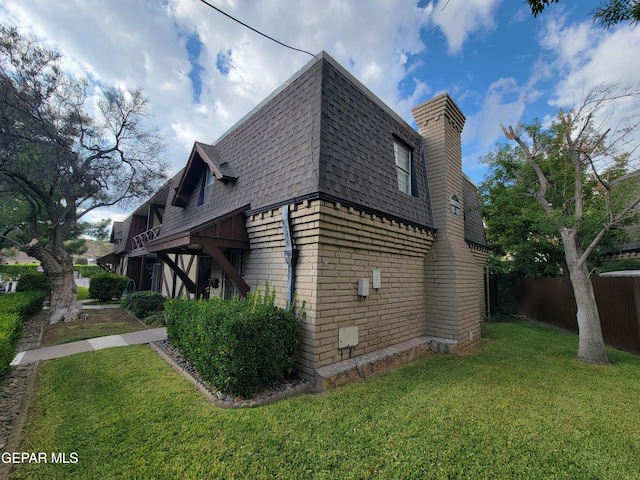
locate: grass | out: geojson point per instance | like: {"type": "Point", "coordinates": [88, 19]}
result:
{"type": "Point", "coordinates": [522, 407]}
{"type": "Point", "coordinates": [83, 293]}
{"type": "Point", "coordinates": [108, 321]}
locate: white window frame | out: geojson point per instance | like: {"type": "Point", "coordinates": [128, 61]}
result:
{"type": "Point", "coordinates": [402, 153]}
{"type": "Point", "coordinates": [206, 187]}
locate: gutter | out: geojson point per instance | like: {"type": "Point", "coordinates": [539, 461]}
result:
{"type": "Point", "coordinates": [290, 255]}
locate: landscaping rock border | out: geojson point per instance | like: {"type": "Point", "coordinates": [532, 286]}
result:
{"type": "Point", "coordinates": [290, 387]}
{"type": "Point", "coordinates": [17, 388]}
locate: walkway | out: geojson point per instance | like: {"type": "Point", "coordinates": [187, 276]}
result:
{"type": "Point", "coordinates": [98, 343]}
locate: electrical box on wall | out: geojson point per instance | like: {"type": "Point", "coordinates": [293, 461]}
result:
{"type": "Point", "coordinates": [363, 287]}
{"type": "Point", "coordinates": [347, 337]}
{"type": "Point", "coordinates": [377, 280]}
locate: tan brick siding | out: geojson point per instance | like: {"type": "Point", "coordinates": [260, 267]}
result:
{"type": "Point", "coordinates": [265, 263]}
{"type": "Point", "coordinates": [353, 244]}
{"type": "Point", "coordinates": [454, 274]}
{"type": "Point", "coordinates": [338, 245]}
{"type": "Point", "coordinates": [420, 292]}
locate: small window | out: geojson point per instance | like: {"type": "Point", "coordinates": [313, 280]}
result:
{"type": "Point", "coordinates": [404, 168]}
{"type": "Point", "coordinates": [206, 187]}
{"type": "Point", "coordinates": [454, 205]}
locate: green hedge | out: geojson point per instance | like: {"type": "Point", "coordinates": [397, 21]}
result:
{"type": "Point", "coordinates": [33, 282]}
{"type": "Point", "coordinates": [88, 271]}
{"type": "Point", "coordinates": [143, 303]}
{"type": "Point", "coordinates": [10, 329]}
{"type": "Point", "coordinates": [15, 271]}
{"type": "Point", "coordinates": [24, 304]}
{"type": "Point", "coordinates": [107, 286]}
{"type": "Point", "coordinates": [240, 346]}
{"type": "Point", "coordinates": [14, 308]}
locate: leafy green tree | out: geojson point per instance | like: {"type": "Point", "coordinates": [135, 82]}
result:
{"type": "Point", "coordinates": [524, 242]}
{"type": "Point", "coordinates": [608, 14]}
{"type": "Point", "coordinates": [511, 214]}
{"type": "Point", "coordinates": [63, 155]}
{"type": "Point", "coordinates": [584, 186]}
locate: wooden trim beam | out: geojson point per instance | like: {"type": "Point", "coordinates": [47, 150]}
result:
{"type": "Point", "coordinates": [181, 240]}
{"type": "Point", "coordinates": [191, 286]}
{"type": "Point", "coordinates": [210, 248]}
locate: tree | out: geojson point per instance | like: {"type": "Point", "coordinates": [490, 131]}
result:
{"type": "Point", "coordinates": [585, 186]}
{"type": "Point", "coordinates": [512, 215]}
{"type": "Point", "coordinates": [64, 154]}
{"type": "Point", "coordinates": [608, 14]}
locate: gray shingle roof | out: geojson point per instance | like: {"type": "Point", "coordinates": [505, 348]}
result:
{"type": "Point", "coordinates": [473, 227]}
{"type": "Point", "coordinates": [357, 162]}
{"type": "Point", "coordinates": [320, 135]}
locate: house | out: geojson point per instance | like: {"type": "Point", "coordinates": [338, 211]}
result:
{"type": "Point", "coordinates": [329, 196]}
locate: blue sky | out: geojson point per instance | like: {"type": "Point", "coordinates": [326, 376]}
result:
{"type": "Point", "coordinates": [203, 72]}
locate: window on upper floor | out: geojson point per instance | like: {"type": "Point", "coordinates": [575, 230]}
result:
{"type": "Point", "coordinates": [405, 168]}
{"type": "Point", "coordinates": [206, 187]}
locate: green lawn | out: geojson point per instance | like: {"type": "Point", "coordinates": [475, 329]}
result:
{"type": "Point", "coordinates": [522, 407]}
{"type": "Point", "coordinates": [83, 293]}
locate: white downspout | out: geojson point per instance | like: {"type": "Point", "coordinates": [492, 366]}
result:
{"type": "Point", "coordinates": [290, 255]}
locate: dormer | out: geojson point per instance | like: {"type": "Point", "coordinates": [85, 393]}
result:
{"type": "Point", "coordinates": [205, 165]}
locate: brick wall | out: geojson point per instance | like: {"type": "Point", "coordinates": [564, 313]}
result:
{"type": "Point", "coordinates": [338, 245]}
{"type": "Point", "coordinates": [454, 272]}
{"type": "Point", "coordinates": [351, 245]}
{"type": "Point", "coordinates": [265, 263]}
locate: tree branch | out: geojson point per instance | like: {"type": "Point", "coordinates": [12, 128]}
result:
{"type": "Point", "coordinates": [617, 219]}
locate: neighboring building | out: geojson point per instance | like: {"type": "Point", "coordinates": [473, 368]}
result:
{"type": "Point", "coordinates": [629, 249]}
{"type": "Point", "coordinates": [323, 191]}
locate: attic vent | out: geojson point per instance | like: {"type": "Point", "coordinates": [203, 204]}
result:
{"type": "Point", "coordinates": [454, 205]}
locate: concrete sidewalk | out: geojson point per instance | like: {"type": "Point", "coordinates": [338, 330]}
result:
{"type": "Point", "coordinates": [98, 343]}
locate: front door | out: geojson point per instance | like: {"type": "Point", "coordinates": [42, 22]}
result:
{"type": "Point", "coordinates": [204, 274]}
{"type": "Point", "coordinates": [234, 255]}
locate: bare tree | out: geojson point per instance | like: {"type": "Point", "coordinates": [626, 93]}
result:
{"type": "Point", "coordinates": [572, 159]}
{"type": "Point", "coordinates": [569, 161]}
{"type": "Point", "coordinates": [63, 154]}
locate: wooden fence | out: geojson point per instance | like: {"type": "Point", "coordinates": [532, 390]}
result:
{"type": "Point", "coordinates": [551, 300]}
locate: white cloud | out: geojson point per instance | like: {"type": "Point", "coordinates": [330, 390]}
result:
{"type": "Point", "coordinates": [504, 102]}
{"type": "Point", "coordinates": [584, 56]}
{"type": "Point", "coordinates": [458, 20]}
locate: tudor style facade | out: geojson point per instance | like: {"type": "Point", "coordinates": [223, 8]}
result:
{"type": "Point", "coordinates": [324, 192]}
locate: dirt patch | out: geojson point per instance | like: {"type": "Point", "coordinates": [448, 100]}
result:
{"type": "Point", "coordinates": [99, 322]}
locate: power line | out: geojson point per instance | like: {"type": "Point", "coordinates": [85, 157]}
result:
{"type": "Point", "coordinates": [253, 29]}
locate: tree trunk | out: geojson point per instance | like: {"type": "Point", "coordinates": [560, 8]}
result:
{"type": "Point", "coordinates": [591, 343]}
{"type": "Point", "coordinates": [58, 265]}
{"type": "Point", "coordinates": [64, 296]}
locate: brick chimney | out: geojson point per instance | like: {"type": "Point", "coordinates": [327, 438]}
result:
{"type": "Point", "coordinates": [454, 277]}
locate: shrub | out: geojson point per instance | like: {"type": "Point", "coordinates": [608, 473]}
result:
{"type": "Point", "coordinates": [33, 282]}
{"type": "Point", "coordinates": [15, 271]}
{"type": "Point", "coordinates": [143, 303]}
{"type": "Point", "coordinates": [24, 304]}
{"type": "Point", "coordinates": [240, 346]}
{"type": "Point", "coordinates": [156, 319]}
{"type": "Point", "coordinates": [14, 308]}
{"type": "Point", "coordinates": [107, 286]}
{"type": "Point", "coordinates": [88, 271]}
{"type": "Point", "coordinates": [10, 329]}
